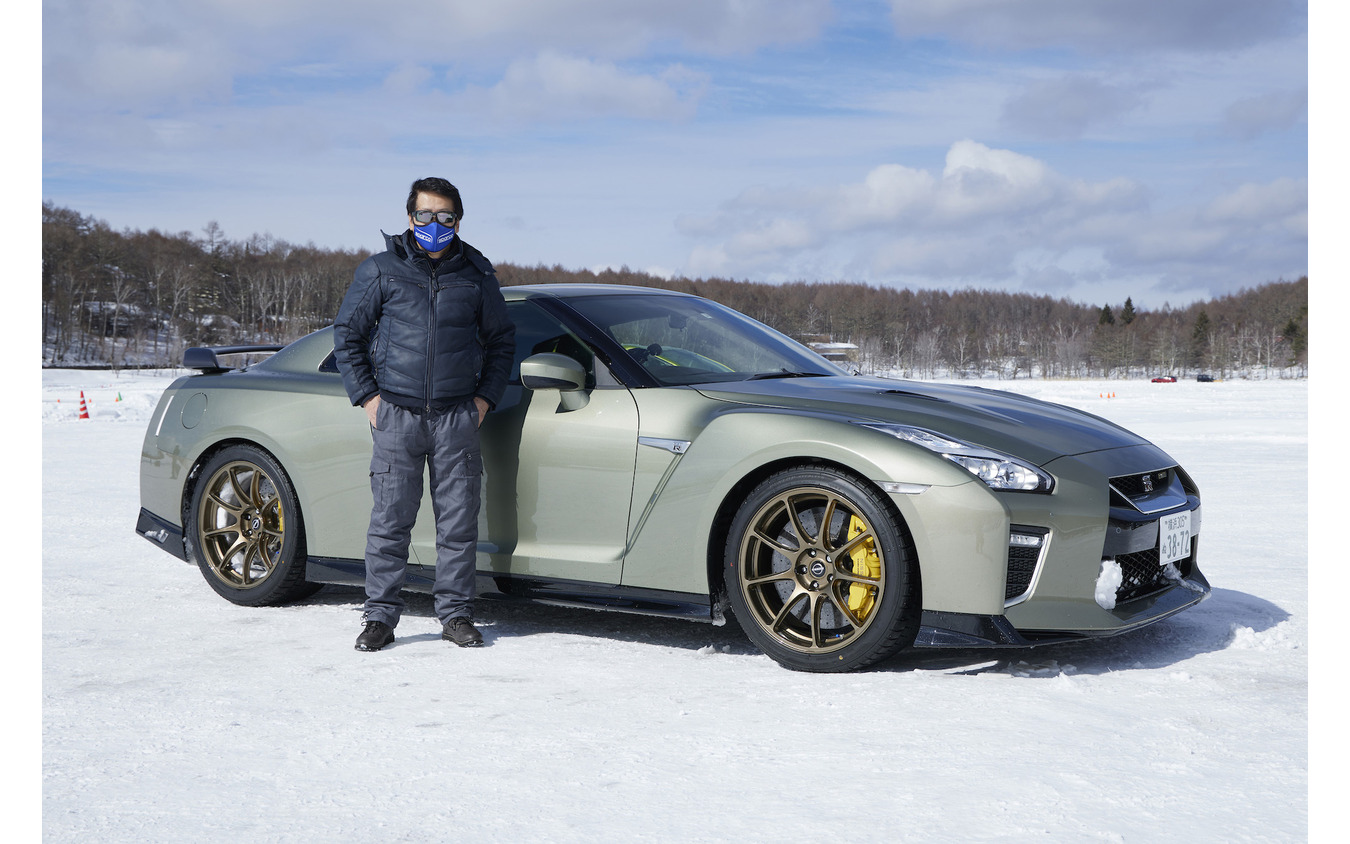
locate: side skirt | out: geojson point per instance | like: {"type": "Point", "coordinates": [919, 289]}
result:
{"type": "Point", "coordinates": [551, 591]}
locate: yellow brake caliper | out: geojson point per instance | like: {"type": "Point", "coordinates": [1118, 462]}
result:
{"type": "Point", "coordinates": [866, 563]}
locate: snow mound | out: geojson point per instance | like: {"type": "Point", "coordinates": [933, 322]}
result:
{"type": "Point", "coordinates": [1049, 668]}
{"type": "Point", "coordinates": [1277, 638]}
{"type": "Point", "coordinates": [1108, 582]}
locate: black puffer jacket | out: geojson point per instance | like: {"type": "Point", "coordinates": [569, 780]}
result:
{"type": "Point", "coordinates": [424, 336]}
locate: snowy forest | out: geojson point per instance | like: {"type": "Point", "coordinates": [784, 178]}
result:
{"type": "Point", "coordinates": [137, 299]}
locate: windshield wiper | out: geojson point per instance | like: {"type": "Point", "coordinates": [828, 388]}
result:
{"type": "Point", "coordinates": [783, 373]}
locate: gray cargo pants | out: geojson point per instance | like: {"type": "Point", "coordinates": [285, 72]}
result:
{"type": "Point", "coordinates": [404, 441]}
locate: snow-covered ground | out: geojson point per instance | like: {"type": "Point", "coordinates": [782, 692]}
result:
{"type": "Point", "coordinates": [171, 715]}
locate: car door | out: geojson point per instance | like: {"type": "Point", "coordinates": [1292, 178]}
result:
{"type": "Point", "coordinates": [558, 483]}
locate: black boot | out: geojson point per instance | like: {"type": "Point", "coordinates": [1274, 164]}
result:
{"type": "Point", "coordinates": [462, 632]}
{"type": "Point", "coordinates": [376, 635]}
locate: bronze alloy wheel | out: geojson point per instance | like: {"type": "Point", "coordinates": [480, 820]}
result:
{"type": "Point", "coordinates": [244, 529]}
{"type": "Point", "coordinates": [242, 524]}
{"type": "Point", "coordinates": [821, 572]}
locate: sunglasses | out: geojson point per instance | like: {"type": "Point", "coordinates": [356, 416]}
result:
{"type": "Point", "coordinates": [445, 218]}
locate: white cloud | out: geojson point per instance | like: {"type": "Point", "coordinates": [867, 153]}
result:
{"type": "Point", "coordinates": [406, 79]}
{"type": "Point", "coordinates": [890, 192]}
{"type": "Point", "coordinates": [620, 28]}
{"type": "Point", "coordinates": [1167, 239]}
{"type": "Point", "coordinates": [1251, 117]}
{"type": "Point", "coordinates": [125, 55]}
{"type": "Point", "coordinates": [1067, 107]}
{"type": "Point", "coordinates": [1281, 199]}
{"type": "Point", "coordinates": [552, 86]}
{"type": "Point", "coordinates": [774, 239]}
{"type": "Point", "coordinates": [1100, 25]}
{"type": "Point", "coordinates": [978, 182]}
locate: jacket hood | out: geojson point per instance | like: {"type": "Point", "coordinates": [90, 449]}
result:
{"type": "Point", "coordinates": [400, 244]}
{"type": "Point", "coordinates": [1028, 428]}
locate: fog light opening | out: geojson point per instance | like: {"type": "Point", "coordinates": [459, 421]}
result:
{"type": "Point", "coordinates": [1025, 540]}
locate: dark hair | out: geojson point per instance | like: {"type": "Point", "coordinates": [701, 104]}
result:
{"type": "Point", "coordinates": [440, 187]}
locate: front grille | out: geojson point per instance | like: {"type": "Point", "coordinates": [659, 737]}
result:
{"type": "Point", "coordinates": [1152, 492]}
{"type": "Point", "coordinates": [1137, 486]}
{"type": "Point", "coordinates": [1141, 575]}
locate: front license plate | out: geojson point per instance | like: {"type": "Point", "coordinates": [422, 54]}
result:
{"type": "Point", "coordinates": [1174, 538]}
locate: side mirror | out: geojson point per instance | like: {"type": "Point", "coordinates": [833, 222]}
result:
{"type": "Point", "coordinates": [552, 371]}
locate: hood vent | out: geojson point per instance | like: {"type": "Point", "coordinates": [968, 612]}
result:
{"type": "Point", "coordinates": [912, 395]}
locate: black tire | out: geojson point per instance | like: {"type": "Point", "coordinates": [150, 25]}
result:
{"type": "Point", "coordinates": [837, 599]}
{"type": "Point", "coordinates": [243, 529]}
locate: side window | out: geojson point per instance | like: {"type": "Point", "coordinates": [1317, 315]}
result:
{"type": "Point", "coordinates": [539, 331]}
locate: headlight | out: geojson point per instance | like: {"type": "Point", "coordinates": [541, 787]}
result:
{"type": "Point", "coordinates": [997, 470]}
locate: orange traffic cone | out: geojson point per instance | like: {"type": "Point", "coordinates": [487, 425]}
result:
{"type": "Point", "coordinates": [84, 408]}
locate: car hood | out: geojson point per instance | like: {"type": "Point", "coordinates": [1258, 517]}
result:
{"type": "Point", "coordinates": [1028, 428]}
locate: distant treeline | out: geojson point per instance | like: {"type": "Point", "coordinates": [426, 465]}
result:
{"type": "Point", "coordinates": [134, 298]}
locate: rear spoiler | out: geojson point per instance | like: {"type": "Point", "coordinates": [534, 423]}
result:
{"type": "Point", "coordinates": [206, 358]}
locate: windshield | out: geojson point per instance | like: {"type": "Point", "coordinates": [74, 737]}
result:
{"type": "Point", "coordinates": [694, 341]}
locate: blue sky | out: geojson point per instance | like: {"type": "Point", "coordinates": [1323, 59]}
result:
{"type": "Point", "coordinates": [1156, 149]}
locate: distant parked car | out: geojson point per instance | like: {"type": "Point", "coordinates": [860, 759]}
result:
{"type": "Point", "coordinates": [1165, 379]}
{"type": "Point", "coordinates": [1204, 378]}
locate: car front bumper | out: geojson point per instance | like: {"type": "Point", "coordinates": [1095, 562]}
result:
{"type": "Point", "coordinates": [964, 630]}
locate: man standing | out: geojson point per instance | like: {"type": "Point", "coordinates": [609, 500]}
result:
{"type": "Point", "coordinates": [424, 344]}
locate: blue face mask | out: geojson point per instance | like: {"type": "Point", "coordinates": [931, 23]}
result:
{"type": "Point", "coordinates": [433, 236]}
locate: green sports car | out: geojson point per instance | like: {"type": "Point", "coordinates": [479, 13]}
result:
{"type": "Point", "coordinates": [659, 453]}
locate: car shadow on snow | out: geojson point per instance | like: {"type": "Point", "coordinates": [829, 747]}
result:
{"type": "Point", "coordinates": [506, 619]}
{"type": "Point", "coordinates": [1227, 619]}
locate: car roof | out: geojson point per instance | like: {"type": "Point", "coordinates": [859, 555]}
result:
{"type": "Point", "coordinates": [570, 291]}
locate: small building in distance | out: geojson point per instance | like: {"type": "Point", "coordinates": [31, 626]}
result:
{"type": "Point", "coordinates": [825, 346]}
